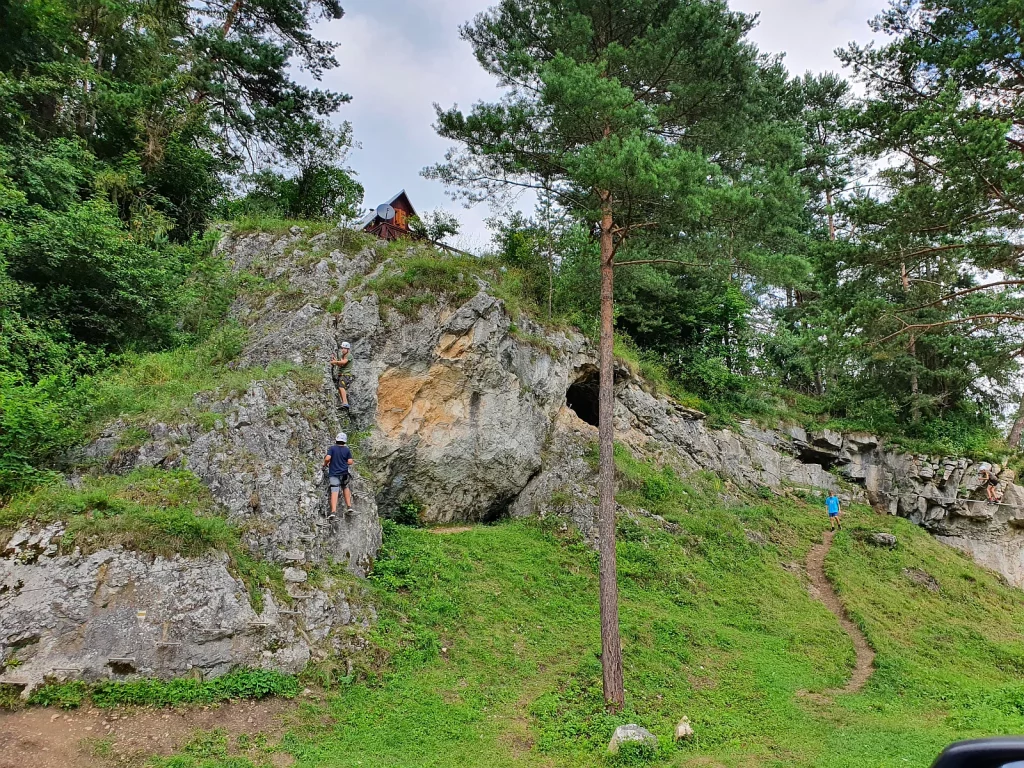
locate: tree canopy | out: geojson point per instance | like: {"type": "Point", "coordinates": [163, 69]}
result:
{"type": "Point", "coordinates": [786, 237]}
{"type": "Point", "coordinates": [123, 125]}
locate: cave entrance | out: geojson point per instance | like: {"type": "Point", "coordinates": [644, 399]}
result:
{"type": "Point", "coordinates": [582, 396]}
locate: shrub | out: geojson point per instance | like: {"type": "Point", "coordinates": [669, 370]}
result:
{"type": "Point", "coordinates": [32, 431]}
{"type": "Point", "coordinates": [242, 683]}
{"type": "Point", "coordinates": [408, 512]}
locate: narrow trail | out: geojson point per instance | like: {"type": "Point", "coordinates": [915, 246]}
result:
{"type": "Point", "coordinates": [445, 530]}
{"type": "Point", "coordinates": [821, 589]}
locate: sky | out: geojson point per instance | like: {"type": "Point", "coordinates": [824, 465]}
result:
{"type": "Point", "coordinates": [397, 58]}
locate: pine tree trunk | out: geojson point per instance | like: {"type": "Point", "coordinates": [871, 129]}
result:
{"type": "Point", "coordinates": [231, 17]}
{"type": "Point", "coordinates": [1018, 426]}
{"type": "Point", "coordinates": [831, 215]}
{"type": "Point", "coordinates": [915, 406]}
{"type": "Point", "coordinates": [611, 648]}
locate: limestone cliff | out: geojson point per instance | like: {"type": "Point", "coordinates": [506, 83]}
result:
{"type": "Point", "coordinates": [459, 412]}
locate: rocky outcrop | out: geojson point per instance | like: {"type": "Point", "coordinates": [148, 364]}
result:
{"type": "Point", "coordinates": [463, 407]}
{"type": "Point", "coordinates": [117, 613]}
{"type": "Point", "coordinates": [947, 497]}
{"type": "Point", "coordinates": [461, 412]}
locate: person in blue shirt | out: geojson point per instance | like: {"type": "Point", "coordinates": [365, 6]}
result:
{"type": "Point", "coordinates": [832, 506]}
{"type": "Point", "coordinates": [336, 462]}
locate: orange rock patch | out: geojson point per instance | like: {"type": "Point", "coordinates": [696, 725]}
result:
{"type": "Point", "coordinates": [427, 404]}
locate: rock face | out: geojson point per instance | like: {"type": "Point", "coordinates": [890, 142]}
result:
{"type": "Point", "coordinates": [462, 408]}
{"type": "Point", "coordinates": [460, 411]}
{"type": "Point", "coordinates": [946, 496]}
{"type": "Point", "coordinates": [116, 613]}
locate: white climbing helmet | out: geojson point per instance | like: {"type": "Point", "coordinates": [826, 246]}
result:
{"type": "Point", "coordinates": [341, 438]}
{"type": "Point", "coordinates": [346, 345]}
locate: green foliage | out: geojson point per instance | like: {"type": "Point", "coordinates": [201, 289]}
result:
{"type": "Point", "coordinates": [435, 225]}
{"type": "Point", "coordinates": [322, 188]}
{"type": "Point", "coordinates": [10, 697]}
{"type": "Point", "coordinates": [162, 385]}
{"type": "Point", "coordinates": [152, 692]}
{"type": "Point", "coordinates": [32, 431]}
{"type": "Point", "coordinates": [408, 512]}
{"type": "Point", "coordinates": [896, 298]}
{"type": "Point", "coordinates": [69, 695]}
{"type": "Point", "coordinates": [118, 124]}
{"type": "Point", "coordinates": [151, 510]}
{"type": "Point", "coordinates": [424, 277]}
{"type": "Point", "coordinates": [634, 753]}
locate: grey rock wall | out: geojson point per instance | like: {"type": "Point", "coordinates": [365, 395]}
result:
{"type": "Point", "coordinates": [117, 614]}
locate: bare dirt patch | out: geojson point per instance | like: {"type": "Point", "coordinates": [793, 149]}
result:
{"type": "Point", "coordinates": [89, 737]}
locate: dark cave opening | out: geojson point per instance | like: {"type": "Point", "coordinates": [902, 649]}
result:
{"type": "Point", "coordinates": [582, 396]}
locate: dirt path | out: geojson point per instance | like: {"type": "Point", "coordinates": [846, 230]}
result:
{"type": "Point", "coordinates": [822, 590]}
{"type": "Point", "coordinates": [444, 530]}
{"type": "Point", "coordinates": [89, 738]}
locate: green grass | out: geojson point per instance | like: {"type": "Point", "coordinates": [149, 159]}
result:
{"type": "Point", "coordinates": [152, 692]}
{"type": "Point", "coordinates": [149, 510]}
{"type": "Point", "coordinates": [486, 648]}
{"type": "Point", "coordinates": [249, 224]}
{"type": "Point", "coordinates": [162, 386]}
{"type": "Point", "coordinates": [421, 275]}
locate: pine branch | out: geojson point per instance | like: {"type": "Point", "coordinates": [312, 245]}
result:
{"type": "Point", "coordinates": [958, 294]}
{"type": "Point", "coordinates": [924, 327]}
{"type": "Point", "coordinates": [660, 261]}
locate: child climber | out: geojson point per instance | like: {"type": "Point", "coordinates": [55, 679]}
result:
{"type": "Point", "coordinates": [832, 507]}
{"type": "Point", "coordinates": [340, 362]}
{"type": "Point", "coordinates": [336, 463]}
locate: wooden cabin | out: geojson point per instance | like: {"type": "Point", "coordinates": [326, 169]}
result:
{"type": "Point", "coordinates": [390, 229]}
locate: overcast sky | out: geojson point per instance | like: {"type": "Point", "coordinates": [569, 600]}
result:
{"type": "Point", "coordinates": [398, 57]}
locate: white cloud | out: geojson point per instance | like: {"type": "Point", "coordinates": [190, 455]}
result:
{"type": "Point", "coordinates": [809, 31]}
{"type": "Point", "coordinates": [398, 57]}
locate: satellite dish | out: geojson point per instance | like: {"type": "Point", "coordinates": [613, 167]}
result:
{"type": "Point", "coordinates": [385, 212]}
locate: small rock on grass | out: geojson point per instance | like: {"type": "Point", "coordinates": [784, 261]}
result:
{"type": "Point", "coordinates": [684, 731]}
{"type": "Point", "coordinates": [631, 732]}
{"type": "Point", "coordinates": [882, 540]}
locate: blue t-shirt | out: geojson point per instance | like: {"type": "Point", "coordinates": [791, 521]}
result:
{"type": "Point", "coordinates": [340, 454]}
{"type": "Point", "coordinates": [832, 505]}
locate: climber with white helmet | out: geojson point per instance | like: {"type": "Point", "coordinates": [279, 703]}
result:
{"type": "Point", "coordinates": [336, 464]}
{"type": "Point", "coordinates": [340, 361]}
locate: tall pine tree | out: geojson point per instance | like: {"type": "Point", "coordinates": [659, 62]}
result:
{"type": "Point", "coordinates": [639, 116]}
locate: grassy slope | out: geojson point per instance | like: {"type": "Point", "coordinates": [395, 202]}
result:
{"type": "Point", "coordinates": [487, 645]}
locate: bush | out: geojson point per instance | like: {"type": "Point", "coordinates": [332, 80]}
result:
{"type": "Point", "coordinates": [33, 430]}
{"type": "Point", "coordinates": [150, 692]}
{"type": "Point", "coordinates": [408, 512]}
{"type": "Point", "coordinates": [635, 753]}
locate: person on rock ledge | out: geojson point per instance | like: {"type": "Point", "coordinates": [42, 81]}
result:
{"type": "Point", "coordinates": [336, 463]}
{"type": "Point", "coordinates": [344, 380]}
{"type": "Point", "coordinates": [991, 482]}
{"type": "Point", "coordinates": [832, 507]}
